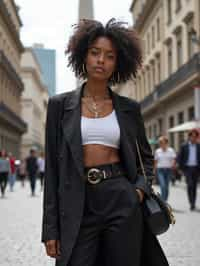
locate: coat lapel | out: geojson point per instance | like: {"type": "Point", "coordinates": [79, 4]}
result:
{"type": "Point", "coordinates": [71, 124]}
{"type": "Point", "coordinates": [126, 120]}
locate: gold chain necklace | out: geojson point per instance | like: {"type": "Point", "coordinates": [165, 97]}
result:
{"type": "Point", "coordinates": [95, 108]}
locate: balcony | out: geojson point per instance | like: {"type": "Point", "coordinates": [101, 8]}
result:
{"type": "Point", "coordinates": [168, 85]}
{"type": "Point", "coordinates": [12, 119]}
{"type": "Point", "coordinates": [5, 63]}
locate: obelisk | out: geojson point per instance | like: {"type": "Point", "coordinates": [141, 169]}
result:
{"type": "Point", "coordinates": [86, 9]}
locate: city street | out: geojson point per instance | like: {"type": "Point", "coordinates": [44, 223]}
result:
{"type": "Point", "coordinates": [20, 225]}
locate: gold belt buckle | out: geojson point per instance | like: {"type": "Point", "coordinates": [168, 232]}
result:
{"type": "Point", "coordinates": [92, 176]}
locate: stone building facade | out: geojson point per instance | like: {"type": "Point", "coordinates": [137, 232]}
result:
{"type": "Point", "coordinates": [170, 31]}
{"type": "Point", "coordinates": [11, 86]}
{"type": "Point", "coordinates": [34, 103]}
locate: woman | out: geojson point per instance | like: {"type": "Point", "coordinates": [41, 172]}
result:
{"type": "Point", "coordinates": [165, 162]}
{"type": "Point", "coordinates": [4, 171]}
{"type": "Point", "coordinates": [92, 193]}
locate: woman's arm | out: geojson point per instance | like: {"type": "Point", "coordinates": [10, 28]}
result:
{"type": "Point", "coordinates": [50, 230]}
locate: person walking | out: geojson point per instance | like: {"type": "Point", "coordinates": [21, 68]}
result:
{"type": "Point", "coordinates": [41, 167]}
{"type": "Point", "coordinates": [4, 171]}
{"type": "Point", "coordinates": [12, 175]}
{"type": "Point", "coordinates": [32, 169]}
{"type": "Point", "coordinates": [189, 163]}
{"type": "Point", "coordinates": [94, 187]}
{"type": "Point", "coordinates": [164, 163]}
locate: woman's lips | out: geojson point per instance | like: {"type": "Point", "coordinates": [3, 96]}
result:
{"type": "Point", "coordinates": [99, 69]}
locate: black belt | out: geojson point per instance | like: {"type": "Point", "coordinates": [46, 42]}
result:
{"type": "Point", "coordinates": [96, 174]}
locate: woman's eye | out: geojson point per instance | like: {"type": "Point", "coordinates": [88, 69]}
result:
{"type": "Point", "coordinates": [93, 52]}
{"type": "Point", "coordinates": [111, 56]}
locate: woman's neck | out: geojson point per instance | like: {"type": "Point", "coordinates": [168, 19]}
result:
{"type": "Point", "coordinates": [96, 89]}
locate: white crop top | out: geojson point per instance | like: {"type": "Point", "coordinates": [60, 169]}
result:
{"type": "Point", "coordinates": [104, 130]}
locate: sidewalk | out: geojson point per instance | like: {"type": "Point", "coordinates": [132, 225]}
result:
{"type": "Point", "coordinates": [20, 225]}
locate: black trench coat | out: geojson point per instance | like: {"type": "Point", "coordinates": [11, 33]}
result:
{"type": "Point", "coordinates": [64, 188]}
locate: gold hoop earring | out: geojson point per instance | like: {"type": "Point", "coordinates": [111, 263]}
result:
{"type": "Point", "coordinates": [84, 69]}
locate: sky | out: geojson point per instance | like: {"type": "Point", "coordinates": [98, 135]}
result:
{"type": "Point", "coordinates": [50, 23]}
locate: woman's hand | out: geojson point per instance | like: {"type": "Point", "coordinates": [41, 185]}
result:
{"type": "Point", "coordinates": [53, 248]}
{"type": "Point", "coordinates": [140, 194]}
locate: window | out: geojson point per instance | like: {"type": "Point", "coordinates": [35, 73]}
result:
{"type": "Point", "coordinates": [171, 135]}
{"type": "Point", "coordinates": [155, 131]}
{"type": "Point", "coordinates": [160, 124]}
{"type": "Point", "coordinates": [158, 69]}
{"type": "Point", "coordinates": [191, 113]}
{"type": "Point", "coordinates": [169, 55]}
{"type": "Point", "coordinates": [153, 36]}
{"type": "Point", "coordinates": [148, 43]}
{"type": "Point", "coordinates": [169, 11]}
{"type": "Point", "coordinates": [180, 117]}
{"type": "Point", "coordinates": [179, 49]}
{"type": "Point", "coordinates": [178, 5]}
{"type": "Point", "coordinates": [191, 34]}
{"type": "Point", "coordinates": [153, 74]}
{"type": "Point", "coordinates": [158, 28]}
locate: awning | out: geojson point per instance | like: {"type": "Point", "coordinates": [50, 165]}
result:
{"type": "Point", "coordinates": [185, 126]}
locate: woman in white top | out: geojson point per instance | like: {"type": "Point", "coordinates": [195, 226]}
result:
{"type": "Point", "coordinates": [164, 163]}
{"type": "Point", "coordinates": [93, 184]}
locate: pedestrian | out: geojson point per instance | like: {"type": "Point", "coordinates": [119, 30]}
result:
{"type": "Point", "coordinates": [41, 167]}
{"type": "Point", "coordinates": [22, 172]}
{"type": "Point", "coordinates": [164, 163]}
{"type": "Point", "coordinates": [189, 163]}
{"type": "Point", "coordinates": [92, 191]}
{"type": "Point", "coordinates": [12, 175]}
{"type": "Point", "coordinates": [32, 169]}
{"type": "Point", "coordinates": [4, 171]}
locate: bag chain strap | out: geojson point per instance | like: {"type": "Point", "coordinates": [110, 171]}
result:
{"type": "Point", "coordinates": [169, 208]}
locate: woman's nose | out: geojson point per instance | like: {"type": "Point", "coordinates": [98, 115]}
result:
{"type": "Point", "coordinates": [101, 58]}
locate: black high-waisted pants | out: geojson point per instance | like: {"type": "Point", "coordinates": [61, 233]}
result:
{"type": "Point", "coordinates": [112, 222]}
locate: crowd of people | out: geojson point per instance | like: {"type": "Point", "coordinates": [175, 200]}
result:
{"type": "Point", "coordinates": [186, 162]}
{"type": "Point", "coordinates": [30, 168]}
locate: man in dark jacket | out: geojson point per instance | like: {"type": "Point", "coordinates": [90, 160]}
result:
{"type": "Point", "coordinates": [189, 162]}
{"type": "Point", "coordinates": [32, 168]}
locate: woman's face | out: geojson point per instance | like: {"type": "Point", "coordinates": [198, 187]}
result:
{"type": "Point", "coordinates": [101, 59]}
{"type": "Point", "coordinates": [163, 144]}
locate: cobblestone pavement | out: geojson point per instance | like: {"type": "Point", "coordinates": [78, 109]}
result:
{"type": "Point", "coordinates": [20, 223]}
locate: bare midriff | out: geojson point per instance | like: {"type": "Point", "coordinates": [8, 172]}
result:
{"type": "Point", "coordinates": [97, 154]}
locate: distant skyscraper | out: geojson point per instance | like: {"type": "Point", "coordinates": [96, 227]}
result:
{"type": "Point", "coordinates": [47, 60]}
{"type": "Point", "coordinates": [86, 9]}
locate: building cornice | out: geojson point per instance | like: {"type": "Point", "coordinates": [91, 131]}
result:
{"type": "Point", "coordinates": [132, 5]}
{"type": "Point", "coordinates": [12, 119]}
{"type": "Point", "coordinates": [7, 66]}
{"type": "Point", "coordinates": [8, 21]}
{"type": "Point", "coordinates": [16, 8]}
{"type": "Point", "coordinates": [145, 12]}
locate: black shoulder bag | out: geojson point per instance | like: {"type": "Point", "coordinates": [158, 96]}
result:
{"type": "Point", "coordinates": [157, 213]}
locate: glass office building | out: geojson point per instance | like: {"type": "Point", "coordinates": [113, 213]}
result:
{"type": "Point", "coordinates": [47, 60]}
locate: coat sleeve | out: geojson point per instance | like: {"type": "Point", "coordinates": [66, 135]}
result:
{"type": "Point", "coordinates": [147, 157]}
{"type": "Point", "coordinates": [50, 224]}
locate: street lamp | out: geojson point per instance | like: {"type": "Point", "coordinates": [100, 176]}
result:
{"type": "Point", "coordinates": [196, 40]}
